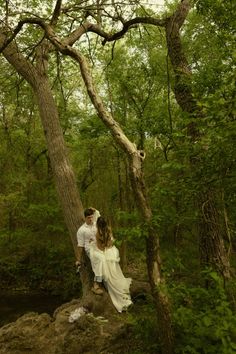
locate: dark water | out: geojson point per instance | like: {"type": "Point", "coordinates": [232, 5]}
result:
{"type": "Point", "coordinates": [14, 305]}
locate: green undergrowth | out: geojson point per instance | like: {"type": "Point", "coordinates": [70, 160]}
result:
{"type": "Point", "coordinates": [28, 264]}
{"type": "Point", "coordinates": [202, 307]}
{"type": "Point", "coordinates": [204, 319]}
{"type": "Point", "coordinates": [143, 335]}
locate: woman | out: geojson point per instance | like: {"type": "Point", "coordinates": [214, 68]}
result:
{"type": "Point", "coordinates": [105, 259]}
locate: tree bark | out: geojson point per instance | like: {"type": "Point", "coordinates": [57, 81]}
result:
{"type": "Point", "coordinates": [123, 246]}
{"type": "Point", "coordinates": [212, 249]}
{"type": "Point", "coordinates": [62, 170]}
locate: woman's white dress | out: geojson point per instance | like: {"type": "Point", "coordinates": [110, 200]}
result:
{"type": "Point", "coordinates": [105, 265]}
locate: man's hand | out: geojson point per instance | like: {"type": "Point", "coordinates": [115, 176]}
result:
{"type": "Point", "coordinates": [78, 266]}
{"type": "Point", "coordinates": [79, 257]}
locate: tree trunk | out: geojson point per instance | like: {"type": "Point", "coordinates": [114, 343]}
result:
{"type": "Point", "coordinates": [62, 170]}
{"type": "Point", "coordinates": [135, 158]}
{"type": "Point", "coordinates": [153, 259]}
{"type": "Point", "coordinates": [123, 246]}
{"type": "Point", "coordinates": [212, 250]}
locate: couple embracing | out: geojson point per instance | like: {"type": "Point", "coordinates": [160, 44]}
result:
{"type": "Point", "coordinates": [95, 237]}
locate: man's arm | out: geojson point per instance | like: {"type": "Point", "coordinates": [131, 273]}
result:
{"type": "Point", "coordinates": [80, 245]}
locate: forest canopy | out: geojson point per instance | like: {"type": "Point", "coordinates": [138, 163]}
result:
{"type": "Point", "coordinates": [128, 107]}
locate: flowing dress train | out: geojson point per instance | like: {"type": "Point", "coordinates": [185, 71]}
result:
{"type": "Point", "coordinates": [105, 265]}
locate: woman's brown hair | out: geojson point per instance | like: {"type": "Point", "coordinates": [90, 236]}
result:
{"type": "Point", "coordinates": [104, 234]}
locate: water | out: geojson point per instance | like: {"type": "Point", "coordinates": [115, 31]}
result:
{"type": "Point", "coordinates": [14, 305]}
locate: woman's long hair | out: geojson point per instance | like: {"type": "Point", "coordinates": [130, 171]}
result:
{"type": "Point", "coordinates": [104, 234]}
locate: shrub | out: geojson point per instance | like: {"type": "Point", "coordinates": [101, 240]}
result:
{"type": "Point", "coordinates": [203, 319]}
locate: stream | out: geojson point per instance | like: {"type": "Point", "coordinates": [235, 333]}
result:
{"type": "Point", "coordinates": [13, 304]}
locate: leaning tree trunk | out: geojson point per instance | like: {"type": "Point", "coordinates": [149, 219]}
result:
{"type": "Point", "coordinates": [135, 158]}
{"type": "Point", "coordinates": [123, 247]}
{"type": "Point", "coordinates": [62, 170]}
{"type": "Point", "coordinates": [153, 259]}
{"type": "Point", "coordinates": [212, 249]}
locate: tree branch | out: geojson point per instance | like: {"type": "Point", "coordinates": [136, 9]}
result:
{"type": "Point", "coordinates": [179, 16]}
{"type": "Point", "coordinates": [19, 62]}
{"type": "Point", "coordinates": [85, 27]}
{"type": "Point", "coordinates": [129, 24]}
{"type": "Point", "coordinates": [95, 98]}
{"type": "Point", "coordinates": [12, 37]}
{"type": "Point", "coordinates": [56, 13]}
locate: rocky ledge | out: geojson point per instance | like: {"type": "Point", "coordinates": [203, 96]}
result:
{"type": "Point", "coordinates": [98, 329]}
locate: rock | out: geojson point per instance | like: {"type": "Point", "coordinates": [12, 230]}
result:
{"type": "Point", "coordinates": [100, 330]}
{"type": "Point", "coordinates": [37, 334]}
{"type": "Point", "coordinates": [30, 333]}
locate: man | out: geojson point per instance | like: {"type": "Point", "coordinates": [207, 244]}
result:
{"type": "Point", "coordinates": [85, 235]}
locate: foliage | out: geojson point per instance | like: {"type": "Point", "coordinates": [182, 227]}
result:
{"type": "Point", "coordinates": [47, 266]}
{"type": "Point", "coordinates": [143, 327]}
{"type": "Point", "coordinates": [203, 318]}
{"type": "Point", "coordinates": [134, 79]}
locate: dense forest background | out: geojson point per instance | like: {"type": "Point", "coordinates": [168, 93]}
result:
{"type": "Point", "coordinates": [136, 80]}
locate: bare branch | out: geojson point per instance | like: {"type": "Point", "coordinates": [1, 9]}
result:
{"type": "Point", "coordinates": [85, 27]}
{"type": "Point", "coordinates": [129, 24]}
{"type": "Point", "coordinates": [12, 37]}
{"type": "Point", "coordinates": [56, 13]}
{"type": "Point", "coordinates": [90, 27]}
{"type": "Point", "coordinates": [7, 10]}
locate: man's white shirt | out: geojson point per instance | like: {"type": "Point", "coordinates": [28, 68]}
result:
{"type": "Point", "coordinates": [87, 233]}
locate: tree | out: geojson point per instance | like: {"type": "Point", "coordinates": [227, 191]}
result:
{"type": "Point", "coordinates": [36, 76]}
{"type": "Point", "coordinates": [67, 42]}
{"type": "Point", "coordinates": [212, 247]}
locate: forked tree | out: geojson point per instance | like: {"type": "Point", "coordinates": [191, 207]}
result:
{"type": "Point", "coordinates": [36, 74]}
